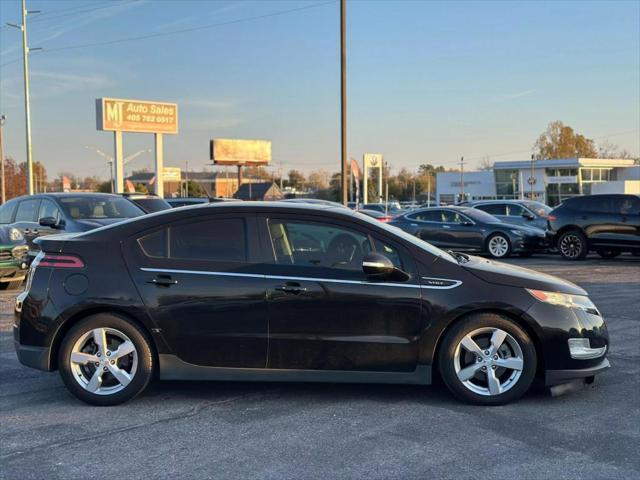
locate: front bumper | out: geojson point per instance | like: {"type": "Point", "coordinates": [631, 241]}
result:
{"type": "Point", "coordinates": [530, 244]}
{"type": "Point", "coordinates": [557, 377]}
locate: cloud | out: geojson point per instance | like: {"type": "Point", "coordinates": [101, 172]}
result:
{"type": "Point", "coordinates": [513, 96]}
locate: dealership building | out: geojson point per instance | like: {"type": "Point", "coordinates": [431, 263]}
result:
{"type": "Point", "coordinates": [548, 181]}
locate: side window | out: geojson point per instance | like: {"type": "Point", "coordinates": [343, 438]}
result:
{"type": "Point", "coordinates": [310, 244]}
{"type": "Point", "coordinates": [493, 208]}
{"type": "Point", "coordinates": [449, 216]}
{"type": "Point", "coordinates": [426, 216]}
{"type": "Point", "coordinates": [514, 210]}
{"type": "Point", "coordinates": [48, 209]}
{"type": "Point", "coordinates": [222, 240]}
{"type": "Point", "coordinates": [6, 212]}
{"type": "Point", "coordinates": [27, 210]}
{"type": "Point", "coordinates": [628, 205]}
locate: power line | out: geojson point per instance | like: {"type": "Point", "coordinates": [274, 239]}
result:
{"type": "Point", "coordinates": [187, 30]}
{"type": "Point", "coordinates": [79, 11]}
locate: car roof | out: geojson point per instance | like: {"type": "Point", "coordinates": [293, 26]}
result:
{"type": "Point", "coordinates": [69, 194]}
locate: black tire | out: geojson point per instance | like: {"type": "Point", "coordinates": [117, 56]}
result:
{"type": "Point", "coordinates": [608, 253]}
{"type": "Point", "coordinates": [573, 245]}
{"type": "Point", "coordinates": [145, 359]}
{"type": "Point", "coordinates": [501, 237]}
{"type": "Point", "coordinates": [471, 323]}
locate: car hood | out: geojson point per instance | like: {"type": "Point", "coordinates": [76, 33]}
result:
{"type": "Point", "coordinates": [97, 222]}
{"type": "Point", "coordinates": [522, 228]}
{"type": "Point", "coordinates": [500, 273]}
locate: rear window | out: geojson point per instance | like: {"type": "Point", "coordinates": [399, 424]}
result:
{"type": "Point", "coordinates": [152, 204]}
{"type": "Point", "coordinates": [221, 240]}
{"type": "Point", "coordinates": [593, 203]}
{"type": "Point", "coordinates": [95, 208]}
{"type": "Point", "coordinates": [627, 205]}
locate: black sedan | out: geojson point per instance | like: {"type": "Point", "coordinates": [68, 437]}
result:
{"type": "Point", "coordinates": [279, 291]}
{"type": "Point", "coordinates": [471, 230]}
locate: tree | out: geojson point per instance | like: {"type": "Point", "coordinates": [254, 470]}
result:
{"type": "Point", "coordinates": [610, 150]}
{"type": "Point", "coordinates": [560, 141]}
{"type": "Point", "coordinates": [485, 164]}
{"type": "Point", "coordinates": [296, 179]}
{"type": "Point", "coordinates": [319, 180]}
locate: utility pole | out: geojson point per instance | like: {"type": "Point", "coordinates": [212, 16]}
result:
{"type": "Point", "coordinates": [532, 180]}
{"type": "Point", "coordinates": [27, 107]}
{"type": "Point", "coordinates": [461, 179]}
{"type": "Point", "coordinates": [343, 100]}
{"type": "Point", "coordinates": [2, 120]}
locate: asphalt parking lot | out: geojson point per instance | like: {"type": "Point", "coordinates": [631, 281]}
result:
{"type": "Point", "coordinates": [277, 430]}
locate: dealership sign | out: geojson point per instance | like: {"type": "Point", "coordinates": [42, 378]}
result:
{"type": "Point", "coordinates": [563, 179]}
{"type": "Point", "coordinates": [138, 116]}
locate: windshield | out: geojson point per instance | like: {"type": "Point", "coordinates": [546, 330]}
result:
{"type": "Point", "coordinates": [98, 207]}
{"type": "Point", "coordinates": [540, 209]}
{"type": "Point", "coordinates": [481, 216]}
{"type": "Point", "coordinates": [408, 237]}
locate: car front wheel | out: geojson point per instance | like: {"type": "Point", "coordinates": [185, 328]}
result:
{"type": "Point", "coordinates": [486, 359]}
{"type": "Point", "coordinates": [105, 360]}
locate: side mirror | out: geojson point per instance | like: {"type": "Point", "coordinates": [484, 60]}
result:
{"type": "Point", "coordinates": [51, 222]}
{"type": "Point", "coordinates": [377, 265]}
{"type": "Point", "coordinates": [528, 216]}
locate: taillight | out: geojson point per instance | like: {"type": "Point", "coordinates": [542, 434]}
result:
{"type": "Point", "coordinates": [552, 217]}
{"type": "Point", "coordinates": [58, 261]}
{"type": "Point", "coordinates": [385, 219]}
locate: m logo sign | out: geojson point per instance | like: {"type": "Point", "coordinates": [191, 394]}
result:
{"type": "Point", "coordinates": [114, 114]}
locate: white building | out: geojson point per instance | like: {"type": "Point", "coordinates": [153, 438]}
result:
{"type": "Point", "coordinates": [548, 181]}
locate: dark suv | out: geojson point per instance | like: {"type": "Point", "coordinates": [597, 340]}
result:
{"type": "Point", "coordinates": [608, 224]}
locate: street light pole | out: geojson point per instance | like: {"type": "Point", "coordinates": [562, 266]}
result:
{"type": "Point", "coordinates": [462, 179]}
{"type": "Point", "coordinates": [343, 100]}
{"type": "Point", "coordinates": [2, 120]}
{"type": "Point", "coordinates": [532, 180]}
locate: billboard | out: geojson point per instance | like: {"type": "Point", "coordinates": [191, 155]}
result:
{"type": "Point", "coordinates": [225, 151]}
{"type": "Point", "coordinates": [139, 116]}
{"type": "Point", "coordinates": [172, 174]}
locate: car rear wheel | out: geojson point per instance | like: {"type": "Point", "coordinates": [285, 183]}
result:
{"type": "Point", "coordinates": [105, 360]}
{"type": "Point", "coordinates": [608, 253]}
{"type": "Point", "coordinates": [486, 359]}
{"type": "Point", "coordinates": [573, 245]}
{"type": "Point", "coordinates": [499, 246]}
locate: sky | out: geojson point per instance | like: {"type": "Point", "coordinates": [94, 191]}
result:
{"type": "Point", "coordinates": [428, 82]}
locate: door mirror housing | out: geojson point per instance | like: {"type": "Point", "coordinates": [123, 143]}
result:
{"type": "Point", "coordinates": [376, 265]}
{"type": "Point", "coordinates": [51, 222]}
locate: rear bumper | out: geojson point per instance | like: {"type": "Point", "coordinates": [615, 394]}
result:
{"type": "Point", "coordinates": [34, 357]}
{"type": "Point", "coordinates": [556, 377]}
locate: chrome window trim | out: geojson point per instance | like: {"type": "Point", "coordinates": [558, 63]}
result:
{"type": "Point", "coordinates": [305, 279]}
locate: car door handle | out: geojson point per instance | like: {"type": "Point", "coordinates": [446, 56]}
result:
{"type": "Point", "coordinates": [294, 288]}
{"type": "Point", "coordinates": [163, 281]}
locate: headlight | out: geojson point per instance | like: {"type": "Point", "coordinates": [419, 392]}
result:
{"type": "Point", "coordinates": [581, 302]}
{"type": "Point", "coordinates": [15, 235]}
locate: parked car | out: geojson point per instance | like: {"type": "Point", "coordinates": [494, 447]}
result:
{"type": "Point", "coordinates": [515, 212]}
{"type": "Point", "coordinates": [189, 201]}
{"type": "Point", "coordinates": [147, 202]}
{"type": "Point", "coordinates": [13, 257]}
{"type": "Point", "coordinates": [608, 224]}
{"type": "Point", "coordinates": [382, 217]}
{"type": "Point", "coordinates": [280, 291]}
{"type": "Point", "coordinates": [469, 229]}
{"type": "Point", "coordinates": [47, 213]}
{"type": "Point", "coordinates": [391, 208]}
{"type": "Point", "coordinates": [314, 201]}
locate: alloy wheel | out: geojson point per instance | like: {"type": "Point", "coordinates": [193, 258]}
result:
{"type": "Point", "coordinates": [103, 361]}
{"type": "Point", "coordinates": [571, 246]}
{"type": "Point", "coordinates": [498, 246]}
{"type": "Point", "coordinates": [488, 361]}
